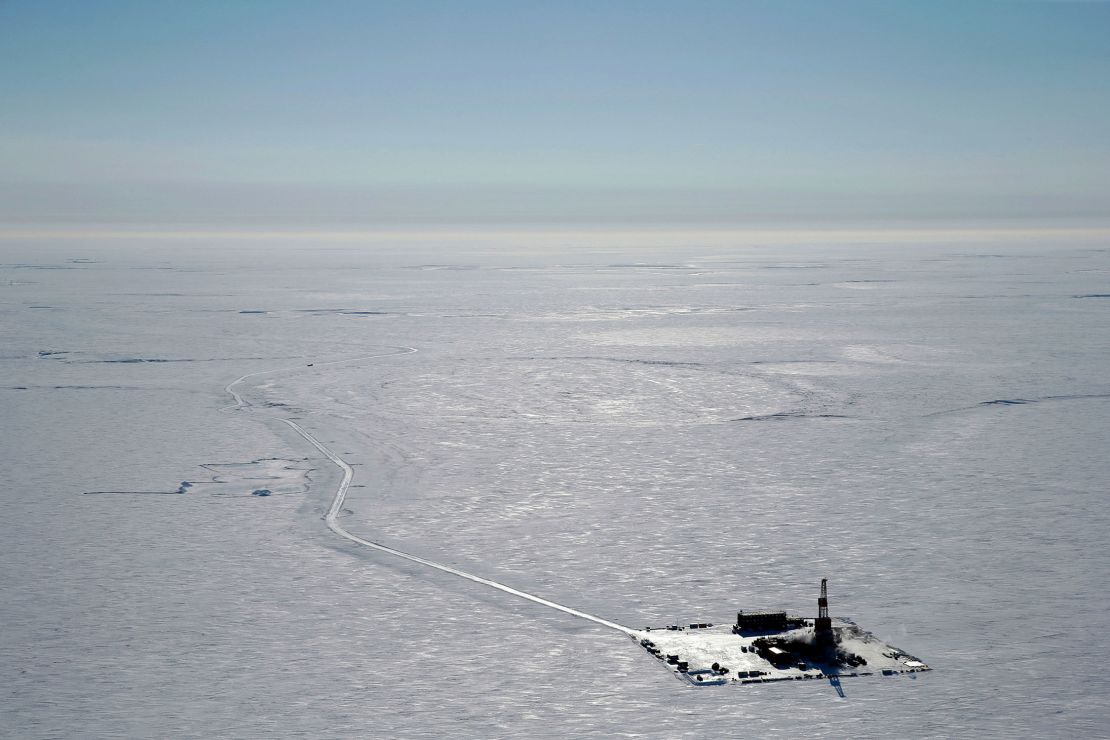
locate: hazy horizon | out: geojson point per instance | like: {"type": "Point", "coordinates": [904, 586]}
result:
{"type": "Point", "coordinates": [430, 113]}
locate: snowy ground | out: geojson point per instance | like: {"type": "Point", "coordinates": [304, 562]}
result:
{"type": "Point", "coordinates": [654, 436]}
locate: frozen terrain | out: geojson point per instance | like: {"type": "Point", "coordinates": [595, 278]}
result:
{"type": "Point", "coordinates": [651, 434]}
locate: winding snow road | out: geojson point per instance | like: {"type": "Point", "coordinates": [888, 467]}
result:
{"type": "Point", "coordinates": [332, 517]}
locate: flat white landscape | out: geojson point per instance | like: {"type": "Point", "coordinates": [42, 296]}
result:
{"type": "Point", "coordinates": [647, 433]}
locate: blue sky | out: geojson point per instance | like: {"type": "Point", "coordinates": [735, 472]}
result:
{"type": "Point", "coordinates": [553, 112]}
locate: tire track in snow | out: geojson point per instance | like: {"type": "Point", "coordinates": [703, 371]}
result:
{"type": "Point", "coordinates": [332, 517]}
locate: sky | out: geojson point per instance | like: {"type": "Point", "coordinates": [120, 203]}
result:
{"type": "Point", "coordinates": [286, 112]}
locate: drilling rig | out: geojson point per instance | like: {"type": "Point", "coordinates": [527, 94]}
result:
{"type": "Point", "coordinates": [822, 626]}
